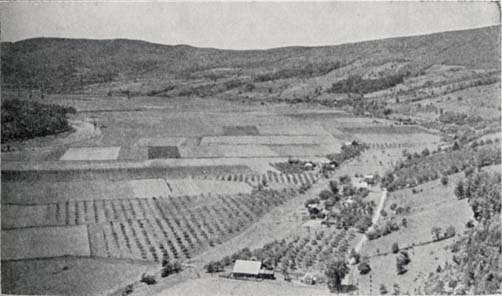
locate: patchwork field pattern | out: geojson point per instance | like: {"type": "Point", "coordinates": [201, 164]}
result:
{"type": "Point", "coordinates": [240, 130]}
{"type": "Point", "coordinates": [44, 242]}
{"type": "Point", "coordinates": [266, 140]}
{"type": "Point", "coordinates": [144, 229]}
{"type": "Point", "coordinates": [156, 152]}
{"type": "Point", "coordinates": [150, 187]}
{"type": "Point", "coordinates": [182, 187]}
{"type": "Point", "coordinates": [44, 192]}
{"type": "Point", "coordinates": [91, 153]}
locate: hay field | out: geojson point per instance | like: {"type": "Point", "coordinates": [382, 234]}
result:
{"type": "Point", "coordinates": [221, 286]}
{"type": "Point", "coordinates": [45, 192]}
{"type": "Point", "coordinates": [43, 242]}
{"type": "Point", "coordinates": [267, 140]}
{"type": "Point", "coordinates": [183, 187]}
{"type": "Point", "coordinates": [250, 150]}
{"type": "Point", "coordinates": [294, 128]}
{"type": "Point", "coordinates": [91, 153]}
{"type": "Point", "coordinates": [147, 188]}
{"type": "Point", "coordinates": [15, 216]}
{"type": "Point", "coordinates": [424, 259]}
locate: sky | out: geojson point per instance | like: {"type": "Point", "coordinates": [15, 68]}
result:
{"type": "Point", "coordinates": [240, 25]}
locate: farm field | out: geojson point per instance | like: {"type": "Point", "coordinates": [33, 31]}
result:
{"type": "Point", "coordinates": [164, 165]}
{"type": "Point", "coordinates": [434, 205]}
{"type": "Point", "coordinates": [69, 275]}
{"type": "Point", "coordinates": [91, 153]}
{"type": "Point", "coordinates": [28, 243]}
{"type": "Point", "coordinates": [216, 286]}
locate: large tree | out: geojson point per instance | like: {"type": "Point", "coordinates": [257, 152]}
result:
{"type": "Point", "coordinates": [336, 271]}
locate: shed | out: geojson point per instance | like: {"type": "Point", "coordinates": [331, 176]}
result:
{"type": "Point", "coordinates": [267, 274]}
{"type": "Point", "coordinates": [246, 268]}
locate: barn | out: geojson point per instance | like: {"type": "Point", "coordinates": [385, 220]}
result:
{"type": "Point", "coordinates": [251, 269]}
{"type": "Point", "coordinates": [246, 268]}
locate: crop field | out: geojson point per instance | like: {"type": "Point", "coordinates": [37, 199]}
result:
{"type": "Point", "coordinates": [137, 228]}
{"type": "Point", "coordinates": [25, 243]}
{"type": "Point", "coordinates": [240, 130]}
{"type": "Point", "coordinates": [311, 248]}
{"type": "Point", "coordinates": [43, 192]}
{"type": "Point", "coordinates": [271, 177]}
{"type": "Point", "coordinates": [157, 152]}
{"type": "Point", "coordinates": [149, 188]}
{"type": "Point", "coordinates": [376, 129]}
{"type": "Point", "coordinates": [294, 128]}
{"type": "Point", "coordinates": [91, 153]}
{"type": "Point", "coordinates": [267, 140]}
{"type": "Point", "coordinates": [247, 150]}
{"type": "Point", "coordinates": [183, 187]}
{"type": "Point", "coordinates": [180, 227]}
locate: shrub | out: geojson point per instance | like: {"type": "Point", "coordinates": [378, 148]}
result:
{"type": "Point", "coordinates": [325, 194]}
{"type": "Point", "coordinates": [128, 289]}
{"type": "Point", "coordinates": [383, 289]}
{"type": "Point", "coordinates": [403, 258]}
{"type": "Point", "coordinates": [170, 268]}
{"type": "Point", "coordinates": [364, 267]}
{"type": "Point", "coordinates": [449, 232]}
{"type": "Point", "coordinates": [436, 233]}
{"type": "Point", "coordinates": [400, 268]}
{"type": "Point", "coordinates": [395, 248]}
{"type": "Point", "coordinates": [213, 267]}
{"type": "Point", "coordinates": [148, 279]}
{"type": "Point", "coordinates": [444, 180]}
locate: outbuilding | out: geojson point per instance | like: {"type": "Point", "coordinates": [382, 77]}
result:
{"type": "Point", "coordinates": [246, 268]}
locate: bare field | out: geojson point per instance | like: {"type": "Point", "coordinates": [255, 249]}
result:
{"type": "Point", "coordinates": [91, 153]}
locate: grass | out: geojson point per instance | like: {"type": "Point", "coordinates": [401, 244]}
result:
{"type": "Point", "coordinates": [69, 276]}
{"type": "Point", "coordinates": [26, 243]}
{"type": "Point", "coordinates": [434, 205]}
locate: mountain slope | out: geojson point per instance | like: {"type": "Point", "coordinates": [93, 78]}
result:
{"type": "Point", "coordinates": [65, 64]}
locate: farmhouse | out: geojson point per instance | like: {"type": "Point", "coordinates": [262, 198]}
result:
{"type": "Point", "coordinates": [253, 269]}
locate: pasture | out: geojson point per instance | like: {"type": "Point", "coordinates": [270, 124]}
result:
{"type": "Point", "coordinates": [69, 275]}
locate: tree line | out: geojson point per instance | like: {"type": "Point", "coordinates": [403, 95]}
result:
{"type": "Point", "coordinates": [23, 120]}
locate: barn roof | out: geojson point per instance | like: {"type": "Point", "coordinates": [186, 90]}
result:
{"type": "Point", "coordinates": [247, 267]}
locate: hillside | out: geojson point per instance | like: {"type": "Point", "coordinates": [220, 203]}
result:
{"type": "Point", "coordinates": [61, 65]}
